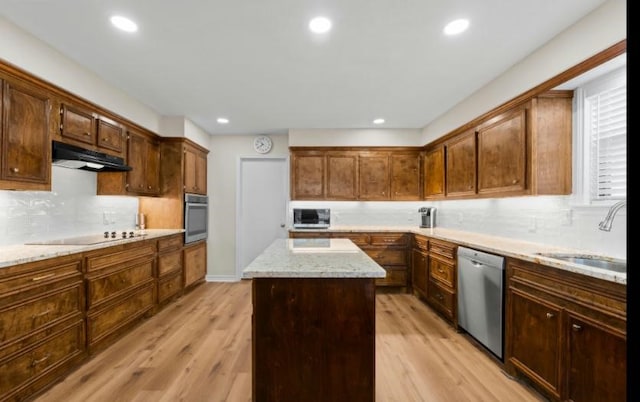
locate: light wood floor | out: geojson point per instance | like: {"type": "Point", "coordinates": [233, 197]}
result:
{"type": "Point", "coordinates": [199, 349]}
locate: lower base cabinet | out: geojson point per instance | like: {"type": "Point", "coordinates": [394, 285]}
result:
{"type": "Point", "coordinates": [195, 263]}
{"type": "Point", "coordinates": [566, 333]}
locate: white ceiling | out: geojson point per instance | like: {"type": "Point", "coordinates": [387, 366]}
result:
{"type": "Point", "coordinates": [256, 63]}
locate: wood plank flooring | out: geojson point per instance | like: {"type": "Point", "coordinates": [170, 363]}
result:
{"type": "Point", "coordinates": [199, 349]}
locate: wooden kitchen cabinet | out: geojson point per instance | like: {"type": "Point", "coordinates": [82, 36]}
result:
{"type": "Point", "coordinates": [25, 140]}
{"type": "Point", "coordinates": [42, 328]}
{"type": "Point", "coordinates": [342, 175]}
{"type": "Point", "coordinates": [442, 282]}
{"type": "Point", "coordinates": [434, 173]}
{"type": "Point", "coordinates": [170, 278]}
{"type": "Point", "coordinates": [374, 176]}
{"type": "Point", "coordinates": [121, 290]}
{"type": "Point", "coordinates": [86, 128]}
{"type": "Point", "coordinates": [195, 169]}
{"type": "Point", "coordinates": [420, 266]}
{"type": "Point", "coordinates": [405, 176]}
{"type": "Point", "coordinates": [461, 165]}
{"type": "Point", "coordinates": [566, 332]}
{"type": "Point", "coordinates": [308, 170]}
{"type": "Point", "coordinates": [195, 263]}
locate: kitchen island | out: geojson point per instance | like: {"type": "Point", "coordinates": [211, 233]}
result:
{"type": "Point", "coordinates": [313, 324]}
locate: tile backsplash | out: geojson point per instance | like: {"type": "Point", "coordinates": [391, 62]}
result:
{"type": "Point", "coordinates": [71, 208]}
{"type": "Point", "coordinates": [550, 220]}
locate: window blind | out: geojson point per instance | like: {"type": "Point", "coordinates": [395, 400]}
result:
{"type": "Point", "coordinates": [607, 123]}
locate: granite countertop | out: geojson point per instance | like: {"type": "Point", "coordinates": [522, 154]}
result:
{"type": "Point", "coordinates": [313, 258]}
{"type": "Point", "coordinates": [22, 253]}
{"type": "Point", "coordinates": [507, 247]}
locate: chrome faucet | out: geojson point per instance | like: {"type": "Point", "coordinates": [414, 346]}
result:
{"type": "Point", "coordinates": [608, 220]}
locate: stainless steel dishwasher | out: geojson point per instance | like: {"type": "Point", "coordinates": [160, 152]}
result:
{"type": "Point", "coordinates": [481, 297]}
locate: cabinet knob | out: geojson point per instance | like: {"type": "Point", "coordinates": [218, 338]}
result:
{"type": "Point", "coordinates": [576, 327]}
{"type": "Point", "coordinates": [14, 170]}
{"type": "Point", "coordinates": [105, 139]}
{"type": "Point", "coordinates": [149, 187]}
{"type": "Point", "coordinates": [87, 133]}
{"type": "Point", "coordinates": [550, 315]}
{"type": "Point", "coordinates": [514, 181]}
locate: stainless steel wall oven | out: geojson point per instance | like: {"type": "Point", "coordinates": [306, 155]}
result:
{"type": "Point", "coordinates": [196, 217]}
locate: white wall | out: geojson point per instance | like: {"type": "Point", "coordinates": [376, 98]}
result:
{"type": "Point", "coordinates": [222, 178]}
{"type": "Point", "coordinates": [29, 53]}
{"type": "Point", "coordinates": [599, 30]}
{"type": "Point", "coordinates": [355, 137]}
{"type": "Point", "coordinates": [179, 126]}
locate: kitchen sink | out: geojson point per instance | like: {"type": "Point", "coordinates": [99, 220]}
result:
{"type": "Point", "coordinates": [609, 264]}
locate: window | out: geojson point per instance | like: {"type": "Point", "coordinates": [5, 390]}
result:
{"type": "Point", "coordinates": [601, 110]}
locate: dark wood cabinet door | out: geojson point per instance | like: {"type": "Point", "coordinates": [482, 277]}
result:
{"type": "Point", "coordinates": [597, 363]}
{"type": "Point", "coordinates": [136, 157]}
{"type": "Point", "coordinates": [77, 124]}
{"type": "Point", "coordinates": [201, 173]}
{"type": "Point", "coordinates": [308, 175]}
{"type": "Point", "coordinates": [374, 176]}
{"type": "Point", "coordinates": [405, 176]}
{"type": "Point", "coordinates": [434, 171]}
{"type": "Point", "coordinates": [461, 165]}
{"type": "Point", "coordinates": [342, 176]}
{"type": "Point", "coordinates": [419, 270]}
{"type": "Point", "coordinates": [25, 146]}
{"type": "Point", "coordinates": [152, 167]}
{"type": "Point", "coordinates": [190, 180]}
{"type": "Point", "coordinates": [502, 144]}
{"type": "Point", "coordinates": [110, 137]}
{"type": "Point", "coordinates": [195, 263]}
{"type": "Point", "coordinates": [534, 339]}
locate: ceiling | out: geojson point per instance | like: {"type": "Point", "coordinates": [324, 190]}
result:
{"type": "Point", "coordinates": [257, 64]}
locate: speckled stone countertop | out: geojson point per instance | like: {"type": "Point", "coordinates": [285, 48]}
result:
{"type": "Point", "coordinates": [523, 250]}
{"type": "Point", "coordinates": [22, 253]}
{"type": "Point", "coordinates": [313, 258]}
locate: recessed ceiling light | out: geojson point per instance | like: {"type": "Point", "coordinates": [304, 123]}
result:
{"type": "Point", "coordinates": [222, 120]}
{"type": "Point", "coordinates": [320, 25]}
{"type": "Point", "coordinates": [457, 26]}
{"type": "Point", "coordinates": [124, 23]}
{"type": "Point", "coordinates": [378, 121]}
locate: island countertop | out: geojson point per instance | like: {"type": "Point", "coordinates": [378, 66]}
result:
{"type": "Point", "coordinates": [313, 258]}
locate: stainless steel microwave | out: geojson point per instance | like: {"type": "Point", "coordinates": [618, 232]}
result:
{"type": "Point", "coordinates": [196, 217]}
{"type": "Point", "coordinates": [311, 218]}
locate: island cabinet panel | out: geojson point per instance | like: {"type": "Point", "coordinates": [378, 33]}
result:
{"type": "Point", "coordinates": [121, 290]}
{"type": "Point", "coordinates": [42, 328]}
{"type": "Point", "coordinates": [434, 173]}
{"type": "Point", "coordinates": [308, 170]}
{"type": "Point", "coordinates": [342, 176]}
{"type": "Point", "coordinates": [374, 176]}
{"type": "Point", "coordinates": [405, 176]}
{"type": "Point", "coordinates": [566, 332]}
{"type": "Point", "coordinates": [314, 339]}
{"type": "Point", "coordinates": [25, 140]}
{"type": "Point", "coordinates": [461, 165]}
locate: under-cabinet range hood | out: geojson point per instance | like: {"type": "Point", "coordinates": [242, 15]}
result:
{"type": "Point", "coordinates": [73, 157]}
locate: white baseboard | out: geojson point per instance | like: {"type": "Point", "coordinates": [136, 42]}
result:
{"type": "Point", "coordinates": [221, 278]}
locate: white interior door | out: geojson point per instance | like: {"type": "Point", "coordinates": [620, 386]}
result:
{"type": "Point", "coordinates": [262, 206]}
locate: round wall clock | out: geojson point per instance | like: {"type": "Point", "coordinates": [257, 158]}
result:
{"type": "Point", "coordinates": [262, 144]}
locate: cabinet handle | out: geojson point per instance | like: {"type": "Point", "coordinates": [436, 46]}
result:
{"type": "Point", "coordinates": [33, 317]}
{"type": "Point", "coordinates": [550, 315]}
{"type": "Point", "coordinates": [39, 278]}
{"type": "Point", "coordinates": [442, 272]}
{"type": "Point", "coordinates": [576, 327]}
{"type": "Point", "coordinates": [14, 170]}
{"type": "Point", "coordinates": [35, 362]}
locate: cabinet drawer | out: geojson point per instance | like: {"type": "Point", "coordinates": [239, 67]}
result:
{"type": "Point", "coordinates": [169, 263]}
{"type": "Point", "coordinates": [447, 250]}
{"type": "Point", "coordinates": [109, 320]}
{"type": "Point", "coordinates": [309, 235]}
{"type": "Point", "coordinates": [421, 242]}
{"type": "Point", "coordinates": [389, 239]}
{"type": "Point", "coordinates": [113, 283]}
{"type": "Point", "coordinates": [360, 239]}
{"type": "Point", "coordinates": [395, 277]}
{"type": "Point", "coordinates": [441, 298]}
{"type": "Point", "coordinates": [387, 257]}
{"type": "Point", "coordinates": [18, 371]}
{"type": "Point", "coordinates": [441, 271]}
{"type": "Point", "coordinates": [169, 287]}
{"type": "Point", "coordinates": [16, 280]}
{"type": "Point", "coordinates": [111, 257]}
{"type": "Point", "coordinates": [169, 243]}
{"type": "Point", "coordinates": [18, 320]}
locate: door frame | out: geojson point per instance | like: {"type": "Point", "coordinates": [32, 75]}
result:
{"type": "Point", "coordinates": [241, 159]}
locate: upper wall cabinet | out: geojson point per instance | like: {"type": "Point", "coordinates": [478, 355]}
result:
{"type": "Point", "coordinates": [25, 142]}
{"type": "Point", "coordinates": [434, 172]}
{"type": "Point", "coordinates": [525, 150]}
{"type": "Point", "coordinates": [195, 170]}
{"type": "Point", "coordinates": [366, 174]}
{"type": "Point", "coordinates": [86, 128]}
